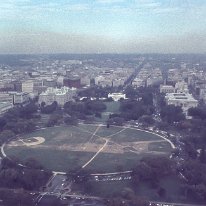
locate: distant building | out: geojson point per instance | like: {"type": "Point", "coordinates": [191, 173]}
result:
{"type": "Point", "coordinates": [117, 82]}
{"type": "Point", "coordinates": [8, 86]}
{"type": "Point", "coordinates": [117, 96]}
{"type": "Point", "coordinates": [181, 87]}
{"type": "Point", "coordinates": [49, 83]}
{"type": "Point", "coordinates": [35, 74]}
{"type": "Point", "coordinates": [72, 82]}
{"type": "Point", "coordinates": [174, 75]}
{"type": "Point", "coordinates": [5, 106]}
{"type": "Point", "coordinates": [85, 81]}
{"type": "Point", "coordinates": [61, 96]}
{"type": "Point", "coordinates": [6, 97]}
{"type": "Point", "coordinates": [153, 81]}
{"type": "Point", "coordinates": [202, 94]}
{"type": "Point", "coordinates": [137, 82]}
{"type": "Point", "coordinates": [185, 100]}
{"type": "Point", "coordinates": [166, 89]}
{"type": "Point", "coordinates": [60, 81]}
{"type": "Point", "coordinates": [20, 97]}
{"type": "Point", "coordinates": [104, 81]}
{"type": "Point", "coordinates": [28, 86]}
{"type": "Point", "coordinates": [17, 86]}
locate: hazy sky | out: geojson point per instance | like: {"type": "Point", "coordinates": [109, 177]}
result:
{"type": "Point", "coordinates": [99, 26]}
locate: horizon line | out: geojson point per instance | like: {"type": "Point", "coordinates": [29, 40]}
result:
{"type": "Point", "coordinates": [108, 53]}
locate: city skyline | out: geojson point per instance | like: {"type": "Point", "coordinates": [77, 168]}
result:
{"type": "Point", "coordinates": [102, 26]}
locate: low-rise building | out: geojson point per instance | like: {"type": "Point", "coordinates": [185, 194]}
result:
{"type": "Point", "coordinates": [61, 96]}
{"type": "Point", "coordinates": [137, 82]}
{"type": "Point", "coordinates": [72, 82]}
{"type": "Point", "coordinates": [20, 97]}
{"type": "Point", "coordinates": [166, 89]}
{"type": "Point", "coordinates": [181, 87]}
{"type": "Point", "coordinates": [185, 100]}
{"type": "Point", "coordinates": [5, 106]}
{"type": "Point", "coordinates": [6, 97]}
{"type": "Point", "coordinates": [103, 81]}
{"type": "Point", "coordinates": [117, 82]}
{"type": "Point", "coordinates": [28, 86]}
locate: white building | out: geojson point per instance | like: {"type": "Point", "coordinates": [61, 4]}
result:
{"type": "Point", "coordinates": [20, 97]}
{"type": "Point", "coordinates": [202, 95]}
{"type": "Point", "coordinates": [85, 80]}
{"type": "Point", "coordinates": [166, 89]}
{"type": "Point", "coordinates": [61, 96]}
{"type": "Point", "coordinates": [5, 106]}
{"type": "Point", "coordinates": [117, 82]}
{"type": "Point", "coordinates": [185, 100]}
{"type": "Point", "coordinates": [117, 96]}
{"type": "Point", "coordinates": [28, 86]}
{"type": "Point", "coordinates": [174, 75]}
{"type": "Point", "coordinates": [137, 82]}
{"type": "Point", "coordinates": [103, 81]}
{"type": "Point", "coordinates": [6, 97]}
{"type": "Point", "coordinates": [181, 87]}
{"type": "Point", "coordinates": [60, 81]}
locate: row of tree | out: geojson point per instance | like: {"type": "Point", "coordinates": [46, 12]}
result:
{"type": "Point", "coordinates": [31, 177]}
{"type": "Point", "coordinates": [18, 120]}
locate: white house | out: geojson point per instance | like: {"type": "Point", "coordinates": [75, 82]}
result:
{"type": "Point", "coordinates": [117, 96]}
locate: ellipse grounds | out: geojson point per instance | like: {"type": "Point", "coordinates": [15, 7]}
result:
{"type": "Point", "coordinates": [93, 147]}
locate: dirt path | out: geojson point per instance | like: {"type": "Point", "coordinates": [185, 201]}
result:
{"type": "Point", "coordinates": [85, 145]}
{"type": "Point", "coordinates": [105, 144]}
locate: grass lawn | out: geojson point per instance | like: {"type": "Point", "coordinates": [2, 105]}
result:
{"type": "Point", "coordinates": [160, 147]}
{"type": "Point", "coordinates": [112, 107]}
{"type": "Point", "coordinates": [134, 135]}
{"type": "Point", "coordinates": [171, 184]}
{"type": "Point", "coordinates": [53, 153]}
{"type": "Point", "coordinates": [53, 159]}
{"type": "Point", "coordinates": [107, 162]}
{"type": "Point", "coordinates": [104, 131]}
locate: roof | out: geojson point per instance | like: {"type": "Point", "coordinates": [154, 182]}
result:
{"type": "Point", "coordinates": [180, 96]}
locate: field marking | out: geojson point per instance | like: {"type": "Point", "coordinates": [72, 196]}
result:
{"type": "Point", "coordinates": [94, 133]}
{"type": "Point", "coordinates": [2, 150]}
{"type": "Point", "coordinates": [39, 140]}
{"type": "Point", "coordinates": [129, 127]}
{"type": "Point", "coordinates": [125, 127]}
{"type": "Point", "coordinates": [84, 130]}
{"type": "Point", "coordinates": [170, 142]}
{"type": "Point", "coordinates": [51, 178]}
{"type": "Point", "coordinates": [172, 145]}
{"type": "Point", "coordinates": [105, 144]}
{"type": "Point", "coordinates": [117, 132]}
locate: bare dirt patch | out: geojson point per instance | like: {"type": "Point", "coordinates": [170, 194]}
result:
{"type": "Point", "coordinates": [32, 141]}
{"type": "Point", "coordinates": [111, 147]}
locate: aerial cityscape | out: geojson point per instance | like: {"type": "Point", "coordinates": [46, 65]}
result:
{"type": "Point", "coordinates": [102, 103]}
{"type": "Point", "coordinates": [103, 129]}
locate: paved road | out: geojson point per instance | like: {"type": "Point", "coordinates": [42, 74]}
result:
{"type": "Point", "coordinates": [173, 204]}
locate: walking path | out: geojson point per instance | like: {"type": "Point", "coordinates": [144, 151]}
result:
{"type": "Point", "coordinates": [105, 144]}
{"type": "Point", "coordinates": [92, 136]}
{"type": "Point", "coordinates": [2, 150]}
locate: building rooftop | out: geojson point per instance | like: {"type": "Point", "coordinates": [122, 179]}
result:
{"type": "Point", "coordinates": [180, 96]}
{"type": "Point", "coordinates": [4, 104]}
